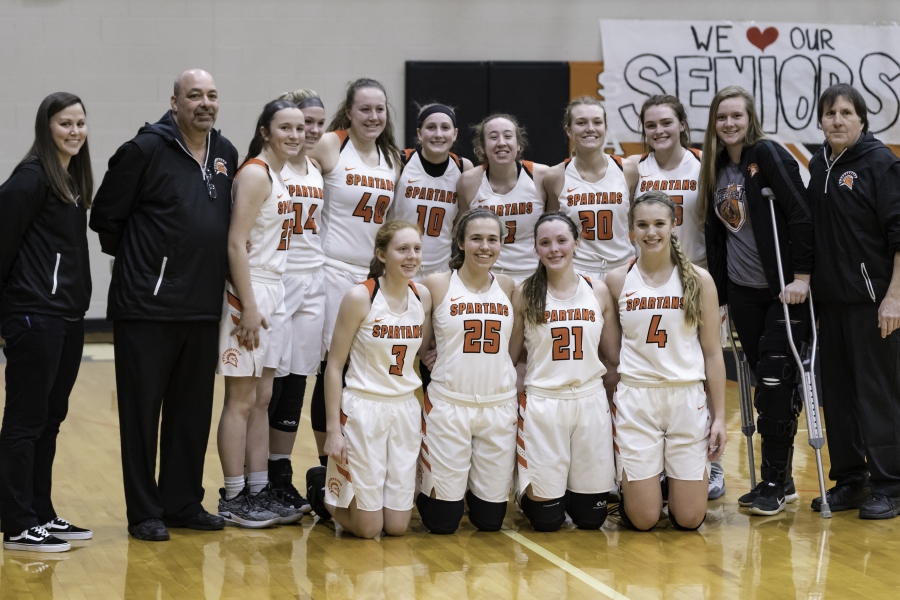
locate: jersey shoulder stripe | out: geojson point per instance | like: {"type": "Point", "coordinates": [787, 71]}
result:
{"type": "Point", "coordinates": [343, 136]}
{"type": "Point", "coordinates": [456, 161]}
{"type": "Point", "coordinates": [588, 280]}
{"type": "Point", "coordinates": [644, 157]}
{"type": "Point", "coordinates": [407, 154]}
{"type": "Point", "coordinates": [529, 167]}
{"type": "Point", "coordinates": [415, 290]}
{"type": "Point", "coordinates": [697, 154]}
{"type": "Point", "coordinates": [373, 286]}
{"type": "Point", "coordinates": [617, 160]}
{"type": "Point", "coordinates": [567, 161]}
{"type": "Point", "coordinates": [254, 161]}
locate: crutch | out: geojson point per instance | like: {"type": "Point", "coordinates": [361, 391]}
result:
{"type": "Point", "coordinates": [807, 370]}
{"type": "Point", "coordinates": [748, 428]}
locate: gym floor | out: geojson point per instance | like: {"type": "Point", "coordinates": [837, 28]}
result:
{"type": "Point", "coordinates": [795, 554]}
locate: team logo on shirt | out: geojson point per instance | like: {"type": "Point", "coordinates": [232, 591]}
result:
{"type": "Point", "coordinates": [230, 357]}
{"type": "Point", "coordinates": [847, 178]}
{"type": "Point", "coordinates": [753, 170]}
{"type": "Point", "coordinates": [731, 206]}
{"type": "Point", "coordinates": [220, 166]}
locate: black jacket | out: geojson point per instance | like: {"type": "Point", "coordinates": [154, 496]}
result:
{"type": "Point", "coordinates": [155, 214]}
{"type": "Point", "coordinates": [856, 212]}
{"type": "Point", "coordinates": [44, 264]}
{"type": "Point", "coordinates": [766, 164]}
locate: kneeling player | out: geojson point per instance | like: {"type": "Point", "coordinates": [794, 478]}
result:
{"type": "Point", "coordinates": [565, 441]}
{"type": "Point", "coordinates": [373, 426]}
{"type": "Point", "coordinates": [665, 417]}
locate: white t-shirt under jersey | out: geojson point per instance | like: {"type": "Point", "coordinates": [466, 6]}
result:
{"type": "Point", "coordinates": [305, 253]}
{"type": "Point", "coordinates": [601, 210]}
{"type": "Point", "coordinates": [658, 346]}
{"type": "Point", "coordinates": [563, 352]}
{"type": "Point", "coordinates": [357, 198]}
{"type": "Point", "coordinates": [681, 184]}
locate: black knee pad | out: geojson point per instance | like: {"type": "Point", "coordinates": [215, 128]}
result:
{"type": "Point", "coordinates": [284, 410]}
{"type": "Point", "coordinates": [486, 516]}
{"type": "Point", "coordinates": [545, 515]}
{"type": "Point", "coordinates": [588, 511]}
{"type": "Point", "coordinates": [425, 374]}
{"type": "Point", "coordinates": [440, 516]}
{"type": "Point", "coordinates": [627, 521]}
{"type": "Point", "coordinates": [317, 405]}
{"type": "Point", "coordinates": [681, 528]}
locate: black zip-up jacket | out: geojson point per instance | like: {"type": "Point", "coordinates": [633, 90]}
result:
{"type": "Point", "coordinates": [155, 213]}
{"type": "Point", "coordinates": [766, 164]}
{"type": "Point", "coordinates": [856, 212]}
{"type": "Point", "coordinates": [44, 264]}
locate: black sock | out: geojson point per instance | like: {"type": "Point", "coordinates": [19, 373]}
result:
{"type": "Point", "coordinates": [323, 460]}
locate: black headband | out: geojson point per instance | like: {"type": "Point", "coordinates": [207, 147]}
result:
{"type": "Point", "coordinates": [436, 108]}
{"type": "Point", "coordinates": [314, 101]}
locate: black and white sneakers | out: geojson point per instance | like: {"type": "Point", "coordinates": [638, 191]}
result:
{"type": "Point", "coordinates": [36, 539]}
{"type": "Point", "coordinates": [770, 500]}
{"type": "Point", "coordinates": [64, 530]}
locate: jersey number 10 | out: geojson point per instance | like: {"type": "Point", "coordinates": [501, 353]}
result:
{"type": "Point", "coordinates": [431, 223]}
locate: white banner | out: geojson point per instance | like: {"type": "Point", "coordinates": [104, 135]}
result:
{"type": "Point", "coordinates": [784, 65]}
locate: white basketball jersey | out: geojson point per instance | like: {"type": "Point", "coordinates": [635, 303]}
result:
{"type": "Point", "coordinates": [658, 346]}
{"type": "Point", "coordinates": [384, 349]}
{"type": "Point", "coordinates": [681, 184]}
{"type": "Point", "coordinates": [601, 209]}
{"type": "Point", "coordinates": [432, 203]}
{"type": "Point", "coordinates": [563, 352]}
{"type": "Point", "coordinates": [357, 198]}
{"type": "Point", "coordinates": [270, 237]}
{"type": "Point", "coordinates": [519, 210]}
{"type": "Point", "coordinates": [472, 333]}
{"type": "Point", "coordinates": [305, 253]}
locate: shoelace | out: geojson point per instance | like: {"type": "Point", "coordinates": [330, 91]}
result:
{"type": "Point", "coordinates": [59, 521]}
{"type": "Point", "coordinates": [40, 531]}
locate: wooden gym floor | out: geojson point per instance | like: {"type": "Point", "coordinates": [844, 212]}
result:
{"type": "Point", "coordinates": [792, 555]}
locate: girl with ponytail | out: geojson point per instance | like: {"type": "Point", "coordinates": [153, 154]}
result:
{"type": "Point", "coordinates": [670, 402]}
{"type": "Point", "coordinates": [373, 423]}
{"type": "Point", "coordinates": [569, 327]}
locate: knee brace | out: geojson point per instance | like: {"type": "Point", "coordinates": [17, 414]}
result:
{"type": "Point", "coordinates": [544, 515]}
{"type": "Point", "coordinates": [439, 516]}
{"type": "Point", "coordinates": [681, 528]}
{"type": "Point", "coordinates": [284, 410]}
{"type": "Point", "coordinates": [588, 511]}
{"type": "Point", "coordinates": [627, 521]}
{"type": "Point", "coordinates": [317, 403]}
{"type": "Point", "coordinates": [486, 516]}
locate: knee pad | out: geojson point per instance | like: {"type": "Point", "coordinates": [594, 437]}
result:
{"type": "Point", "coordinates": [588, 511]}
{"type": "Point", "coordinates": [317, 404]}
{"type": "Point", "coordinates": [486, 516]}
{"type": "Point", "coordinates": [425, 374]}
{"type": "Point", "coordinates": [284, 410]}
{"type": "Point", "coordinates": [440, 516]}
{"type": "Point", "coordinates": [627, 521]}
{"type": "Point", "coordinates": [681, 528]}
{"type": "Point", "coordinates": [544, 515]}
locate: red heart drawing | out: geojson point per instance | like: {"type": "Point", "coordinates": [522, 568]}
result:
{"type": "Point", "coordinates": [761, 39]}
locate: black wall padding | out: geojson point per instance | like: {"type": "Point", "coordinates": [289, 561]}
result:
{"type": "Point", "coordinates": [537, 94]}
{"type": "Point", "coordinates": [462, 85]}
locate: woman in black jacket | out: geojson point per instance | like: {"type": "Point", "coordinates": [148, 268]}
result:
{"type": "Point", "coordinates": [738, 163]}
{"type": "Point", "coordinates": [45, 289]}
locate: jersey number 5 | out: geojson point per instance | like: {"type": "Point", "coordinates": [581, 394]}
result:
{"type": "Point", "coordinates": [481, 337]}
{"type": "Point", "coordinates": [656, 335]}
{"type": "Point", "coordinates": [399, 351]}
{"type": "Point", "coordinates": [367, 213]}
{"type": "Point", "coordinates": [562, 339]}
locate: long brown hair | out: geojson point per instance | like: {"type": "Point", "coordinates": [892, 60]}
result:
{"type": "Point", "coordinates": [534, 289]}
{"type": "Point", "coordinates": [690, 279]}
{"type": "Point", "coordinates": [383, 238]}
{"type": "Point", "coordinates": [677, 107]}
{"type": "Point", "coordinates": [581, 101]}
{"type": "Point", "coordinates": [341, 120]}
{"type": "Point", "coordinates": [478, 136]}
{"type": "Point", "coordinates": [263, 122]}
{"type": "Point", "coordinates": [458, 256]}
{"type": "Point", "coordinates": [69, 185]}
{"type": "Point", "coordinates": [713, 146]}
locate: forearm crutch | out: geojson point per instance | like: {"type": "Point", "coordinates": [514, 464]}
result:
{"type": "Point", "coordinates": [807, 370]}
{"type": "Point", "coordinates": [748, 427]}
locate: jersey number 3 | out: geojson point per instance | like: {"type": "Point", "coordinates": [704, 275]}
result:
{"type": "Point", "coordinates": [481, 336]}
{"type": "Point", "coordinates": [399, 351]}
{"type": "Point", "coordinates": [655, 335]}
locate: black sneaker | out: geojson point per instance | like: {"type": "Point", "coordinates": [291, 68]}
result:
{"type": "Point", "coordinates": [149, 530]}
{"type": "Point", "coordinates": [790, 494]}
{"type": "Point", "coordinates": [843, 497]}
{"type": "Point", "coordinates": [62, 529]}
{"type": "Point", "coordinates": [315, 491]}
{"type": "Point", "coordinates": [770, 499]}
{"type": "Point", "coordinates": [281, 477]}
{"type": "Point", "coordinates": [286, 512]}
{"type": "Point", "coordinates": [36, 539]}
{"type": "Point", "coordinates": [202, 521]}
{"type": "Point", "coordinates": [880, 506]}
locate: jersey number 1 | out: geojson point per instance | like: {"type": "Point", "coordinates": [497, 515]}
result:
{"type": "Point", "coordinates": [656, 335]}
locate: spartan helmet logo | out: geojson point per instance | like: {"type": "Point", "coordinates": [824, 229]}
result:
{"type": "Point", "coordinates": [334, 486]}
{"type": "Point", "coordinates": [230, 357]}
{"type": "Point", "coordinates": [847, 178]}
{"type": "Point", "coordinates": [220, 166]}
{"type": "Point", "coordinates": [753, 170]}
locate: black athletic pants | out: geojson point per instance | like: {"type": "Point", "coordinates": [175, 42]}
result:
{"type": "Point", "coordinates": [169, 368]}
{"type": "Point", "coordinates": [43, 354]}
{"type": "Point", "coordinates": [861, 394]}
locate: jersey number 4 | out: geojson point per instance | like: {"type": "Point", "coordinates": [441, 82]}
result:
{"type": "Point", "coordinates": [399, 352]}
{"type": "Point", "coordinates": [596, 225]}
{"type": "Point", "coordinates": [431, 222]}
{"type": "Point", "coordinates": [656, 335]}
{"type": "Point", "coordinates": [567, 343]}
{"type": "Point", "coordinates": [367, 213]}
{"type": "Point", "coordinates": [481, 336]}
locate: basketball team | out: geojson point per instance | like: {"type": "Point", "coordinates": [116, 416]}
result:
{"type": "Point", "coordinates": [566, 319]}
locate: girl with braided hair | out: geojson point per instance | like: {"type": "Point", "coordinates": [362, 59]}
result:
{"type": "Point", "coordinates": [670, 403]}
{"type": "Point", "coordinates": [566, 321]}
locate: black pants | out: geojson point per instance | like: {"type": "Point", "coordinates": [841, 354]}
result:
{"type": "Point", "coordinates": [168, 368]}
{"type": "Point", "coordinates": [43, 355]}
{"type": "Point", "coordinates": [861, 393]}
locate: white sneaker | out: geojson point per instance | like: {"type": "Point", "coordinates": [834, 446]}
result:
{"type": "Point", "coordinates": [716, 481]}
{"type": "Point", "coordinates": [35, 539]}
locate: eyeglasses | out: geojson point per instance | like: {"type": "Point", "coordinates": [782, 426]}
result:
{"type": "Point", "coordinates": [210, 187]}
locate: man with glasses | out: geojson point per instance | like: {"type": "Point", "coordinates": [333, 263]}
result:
{"type": "Point", "coordinates": [163, 212]}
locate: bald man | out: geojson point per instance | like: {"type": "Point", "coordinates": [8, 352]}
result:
{"type": "Point", "coordinates": [163, 212]}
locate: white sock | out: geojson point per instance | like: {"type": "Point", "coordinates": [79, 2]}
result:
{"type": "Point", "coordinates": [257, 481]}
{"type": "Point", "coordinates": [233, 486]}
{"type": "Point", "coordinates": [279, 456]}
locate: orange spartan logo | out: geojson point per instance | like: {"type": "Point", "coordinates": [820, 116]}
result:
{"type": "Point", "coordinates": [230, 357]}
{"type": "Point", "coordinates": [220, 166]}
{"type": "Point", "coordinates": [847, 179]}
{"type": "Point", "coordinates": [753, 169]}
{"type": "Point", "coordinates": [334, 486]}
